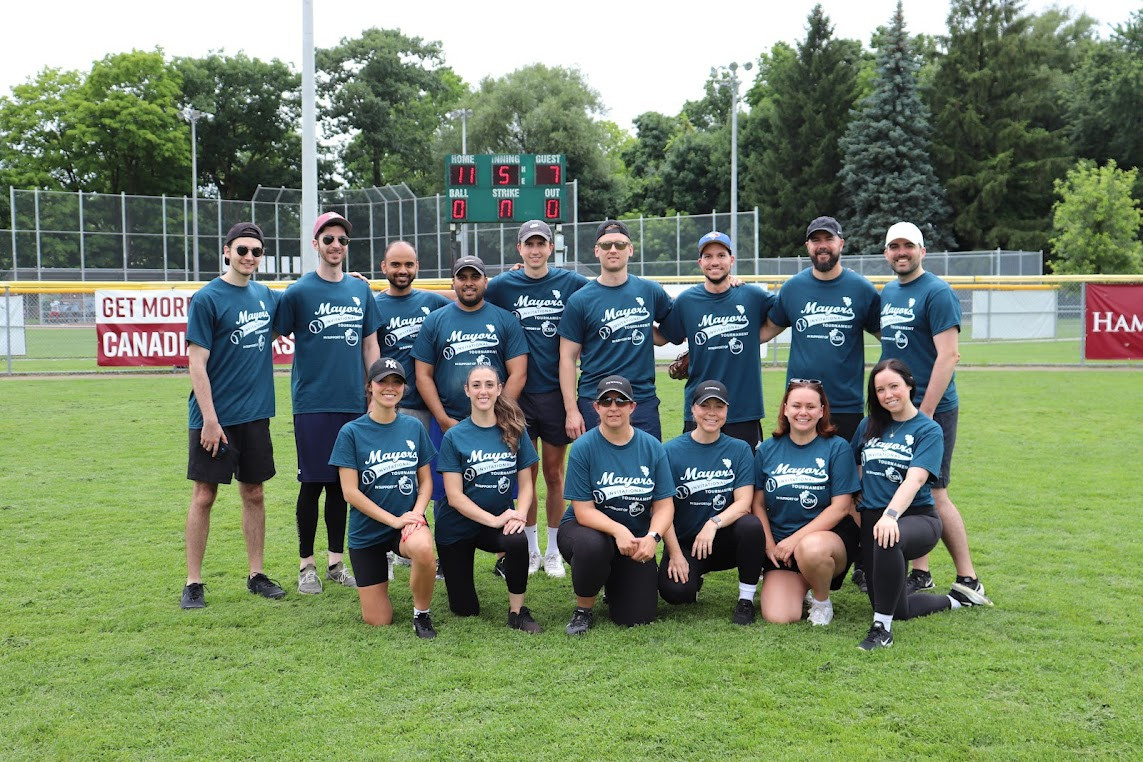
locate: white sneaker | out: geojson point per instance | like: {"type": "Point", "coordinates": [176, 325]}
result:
{"type": "Point", "coordinates": [821, 613]}
{"type": "Point", "coordinates": [534, 561]}
{"type": "Point", "coordinates": [810, 597]}
{"type": "Point", "coordinates": [554, 565]}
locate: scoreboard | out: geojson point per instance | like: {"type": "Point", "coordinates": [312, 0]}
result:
{"type": "Point", "coordinates": [513, 187]}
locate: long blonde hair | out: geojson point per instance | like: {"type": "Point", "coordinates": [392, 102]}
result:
{"type": "Point", "coordinates": [509, 416]}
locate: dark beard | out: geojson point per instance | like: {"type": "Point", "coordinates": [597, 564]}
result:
{"type": "Point", "coordinates": [719, 281]}
{"type": "Point", "coordinates": [477, 300]}
{"type": "Point", "coordinates": [828, 265]}
{"type": "Point", "coordinates": [394, 283]}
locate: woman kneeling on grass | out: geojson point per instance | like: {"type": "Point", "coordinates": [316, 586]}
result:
{"type": "Point", "coordinates": [383, 461]}
{"type": "Point", "coordinates": [900, 451]}
{"type": "Point", "coordinates": [482, 459]}
{"type": "Point", "coordinates": [804, 481]}
{"type": "Point", "coordinates": [713, 527]}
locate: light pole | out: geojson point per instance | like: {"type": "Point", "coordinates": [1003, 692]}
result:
{"type": "Point", "coordinates": [192, 115]}
{"type": "Point", "coordinates": [733, 85]}
{"type": "Point", "coordinates": [462, 114]}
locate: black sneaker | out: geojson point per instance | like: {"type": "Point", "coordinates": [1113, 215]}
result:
{"type": "Point", "coordinates": [743, 612]}
{"type": "Point", "coordinates": [262, 585]}
{"type": "Point", "coordinates": [969, 592]}
{"type": "Point", "coordinates": [524, 621]}
{"type": "Point", "coordinates": [859, 580]}
{"type": "Point", "coordinates": [498, 568]}
{"type": "Point", "coordinates": [918, 580]}
{"type": "Point", "coordinates": [193, 597]}
{"type": "Point", "coordinates": [878, 637]}
{"type": "Point", "coordinates": [581, 621]}
{"type": "Point", "coordinates": [423, 626]}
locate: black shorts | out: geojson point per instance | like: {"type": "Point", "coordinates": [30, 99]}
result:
{"type": "Point", "coordinates": [749, 432]}
{"type": "Point", "coordinates": [850, 535]}
{"type": "Point", "coordinates": [371, 565]}
{"type": "Point", "coordinates": [544, 416]}
{"type": "Point", "coordinates": [846, 423]}
{"type": "Point", "coordinates": [249, 455]}
{"type": "Point", "coordinates": [947, 421]}
{"type": "Point", "coordinates": [314, 437]}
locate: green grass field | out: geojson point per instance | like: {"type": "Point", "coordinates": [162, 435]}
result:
{"type": "Point", "coordinates": [98, 662]}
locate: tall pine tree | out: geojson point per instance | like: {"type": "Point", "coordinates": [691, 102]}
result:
{"type": "Point", "coordinates": [888, 174]}
{"type": "Point", "coordinates": [806, 95]}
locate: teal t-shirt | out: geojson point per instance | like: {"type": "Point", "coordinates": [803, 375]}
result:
{"type": "Point", "coordinates": [622, 481]}
{"type": "Point", "coordinates": [911, 314]}
{"type": "Point", "coordinates": [386, 457]}
{"type": "Point", "coordinates": [454, 341]}
{"type": "Point", "coordinates": [828, 318]}
{"type": "Point", "coordinates": [401, 319]}
{"type": "Point", "coordinates": [329, 321]}
{"type": "Point", "coordinates": [721, 331]}
{"type": "Point", "coordinates": [705, 477]}
{"type": "Point", "coordinates": [800, 481]}
{"type": "Point", "coordinates": [235, 324]}
{"type": "Point", "coordinates": [489, 472]}
{"type": "Point", "coordinates": [538, 303]}
{"type": "Point", "coordinates": [613, 326]}
{"type": "Point", "coordinates": [885, 460]}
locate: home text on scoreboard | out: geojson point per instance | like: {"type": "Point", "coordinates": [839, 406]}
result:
{"type": "Point", "coordinates": [511, 187]}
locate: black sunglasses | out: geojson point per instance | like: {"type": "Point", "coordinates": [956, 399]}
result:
{"type": "Point", "coordinates": [609, 401]}
{"type": "Point", "coordinates": [244, 250]}
{"type": "Point", "coordinates": [617, 245]}
{"type": "Point", "coordinates": [342, 239]}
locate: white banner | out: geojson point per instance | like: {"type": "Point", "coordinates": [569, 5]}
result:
{"type": "Point", "coordinates": [12, 325]}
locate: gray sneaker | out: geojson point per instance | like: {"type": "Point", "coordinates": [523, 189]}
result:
{"type": "Point", "coordinates": [308, 582]}
{"type": "Point", "coordinates": [339, 574]}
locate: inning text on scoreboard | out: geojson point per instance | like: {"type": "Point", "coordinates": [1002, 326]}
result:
{"type": "Point", "coordinates": [511, 187]}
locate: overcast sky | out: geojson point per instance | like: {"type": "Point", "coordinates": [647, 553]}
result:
{"type": "Point", "coordinates": [637, 55]}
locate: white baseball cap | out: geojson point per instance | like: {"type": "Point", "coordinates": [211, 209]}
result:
{"type": "Point", "coordinates": [906, 230]}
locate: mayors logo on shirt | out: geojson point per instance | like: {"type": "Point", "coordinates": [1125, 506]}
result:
{"type": "Point", "coordinates": [711, 327]}
{"type": "Point", "coordinates": [251, 322]}
{"type": "Point", "coordinates": [399, 328]}
{"type": "Point", "coordinates": [347, 318]}
{"type": "Point", "coordinates": [460, 342]}
{"type": "Point", "coordinates": [636, 318]}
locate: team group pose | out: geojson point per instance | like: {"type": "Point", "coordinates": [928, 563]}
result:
{"type": "Point", "coordinates": [495, 385]}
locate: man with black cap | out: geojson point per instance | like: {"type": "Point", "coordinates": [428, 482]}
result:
{"type": "Point", "coordinates": [608, 326]}
{"type": "Point", "coordinates": [229, 345]}
{"type": "Point", "coordinates": [829, 306]}
{"type": "Point", "coordinates": [721, 325]}
{"type": "Point", "coordinates": [334, 320]}
{"type": "Point", "coordinates": [536, 294]}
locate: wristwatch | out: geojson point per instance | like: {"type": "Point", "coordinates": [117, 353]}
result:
{"type": "Point", "coordinates": [892, 514]}
{"type": "Point", "coordinates": [716, 520]}
{"type": "Point", "coordinates": [658, 537]}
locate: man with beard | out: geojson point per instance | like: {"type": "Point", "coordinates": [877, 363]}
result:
{"type": "Point", "coordinates": [334, 320]}
{"type": "Point", "coordinates": [403, 310]}
{"type": "Point", "coordinates": [721, 326]}
{"type": "Point", "coordinates": [829, 306]}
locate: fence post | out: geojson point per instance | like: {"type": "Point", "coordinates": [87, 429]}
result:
{"type": "Point", "coordinates": [12, 211]}
{"type": "Point", "coordinates": [8, 323]}
{"type": "Point", "coordinates": [757, 255]}
{"type": "Point", "coordinates": [36, 211]}
{"type": "Point", "coordinates": [642, 253]}
{"type": "Point", "coordinates": [1083, 323]}
{"type": "Point", "coordinates": [166, 264]}
{"type": "Point", "coordinates": [123, 223]}
{"type": "Point", "coordinates": [82, 251]}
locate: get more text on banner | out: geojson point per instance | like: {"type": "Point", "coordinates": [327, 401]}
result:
{"type": "Point", "coordinates": [1114, 322]}
{"type": "Point", "coordinates": [149, 328]}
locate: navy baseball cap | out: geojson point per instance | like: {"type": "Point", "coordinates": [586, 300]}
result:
{"type": "Point", "coordinates": [828, 224]}
{"type": "Point", "coordinates": [715, 237]}
{"type": "Point", "coordinates": [244, 230]}
{"type": "Point", "coordinates": [711, 390]}
{"type": "Point", "coordinates": [476, 263]}
{"type": "Point", "coordinates": [611, 226]}
{"type": "Point", "coordinates": [617, 385]}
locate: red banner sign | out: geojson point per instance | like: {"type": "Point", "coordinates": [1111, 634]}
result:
{"type": "Point", "coordinates": [1113, 324]}
{"type": "Point", "coordinates": [149, 328]}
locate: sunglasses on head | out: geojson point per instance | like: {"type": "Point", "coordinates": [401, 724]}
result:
{"type": "Point", "coordinates": [617, 245]}
{"type": "Point", "coordinates": [244, 250]}
{"type": "Point", "coordinates": [609, 401]}
{"type": "Point", "coordinates": [808, 381]}
{"type": "Point", "coordinates": [342, 239]}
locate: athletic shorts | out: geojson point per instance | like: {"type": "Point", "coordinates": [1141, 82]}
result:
{"type": "Point", "coordinates": [314, 437]}
{"type": "Point", "coordinates": [545, 418]}
{"type": "Point", "coordinates": [850, 535]}
{"type": "Point", "coordinates": [749, 432]}
{"type": "Point", "coordinates": [249, 455]}
{"type": "Point", "coordinates": [947, 421]}
{"type": "Point", "coordinates": [371, 565]}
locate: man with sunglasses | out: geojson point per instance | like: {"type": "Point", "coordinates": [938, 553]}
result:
{"type": "Point", "coordinates": [231, 361]}
{"type": "Point", "coordinates": [334, 320]}
{"type": "Point", "coordinates": [608, 326]}
{"type": "Point", "coordinates": [721, 325]}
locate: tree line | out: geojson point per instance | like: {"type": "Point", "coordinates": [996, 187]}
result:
{"type": "Point", "coordinates": [1011, 130]}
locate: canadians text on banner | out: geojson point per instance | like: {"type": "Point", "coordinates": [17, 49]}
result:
{"type": "Point", "coordinates": [1113, 323]}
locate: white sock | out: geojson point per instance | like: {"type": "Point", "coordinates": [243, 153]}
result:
{"type": "Point", "coordinates": [417, 611]}
{"type": "Point", "coordinates": [886, 620]}
{"type": "Point", "coordinates": [746, 592]}
{"type": "Point", "coordinates": [827, 603]}
{"type": "Point", "coordinates": [533, 539]}
{"type": "Point", "coordinates": [954, 601]}
{"type": "Point", "coordinates": [553, 548]}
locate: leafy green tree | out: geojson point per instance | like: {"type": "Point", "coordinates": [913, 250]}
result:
{"type": "Point", "coordinates": [252, 138]}
{"type": "Point", "coordinates": [888, 174]}
{"type": "Point", "coordinates": [389, 94]}
{"type": "Point", "coordinates": [543, 109]}
{"type": "Point", "coordinates": [1096, 221]}
{"type": "Point", "coordinates": [805, 96]}
{"type": "Point", "coordinates": [999, 138]}
{"type": "Point", "coordinates": [38, 148]}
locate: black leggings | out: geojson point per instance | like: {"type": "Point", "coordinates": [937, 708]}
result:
{"type": "Point", "coordinates": [457, 560]}
{"type": "Point", "coordinates": [596, 564]}
{"type": "Point", "coordinates": [307, 516]}
{"type": "Point", "coordinates": [885, 567]}
{"type": "Point", "coordinates": [738, 545]}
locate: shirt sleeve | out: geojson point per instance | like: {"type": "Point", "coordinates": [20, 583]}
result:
{"type": "Point", "coordinates": [672, 325]}
{"type": "Point", "coordinates": [344, 449]}
{"type": "Point", "coordinates": [571, 324]}
{"type": "Point", "coordinates": [663, 302]}
{"type": "Point", "coordinates": [743, 466]}
{"type": "Point", "coordinates": [200, 320]}
{"type": "Point", "coordinates": [664, 480]}
{"type": "Point", "coordinates": [777, 313]}
{"type": "Point", "coordinates": [929, 449]}
{"type": "Point", "coordinates": [873, 312]}
{"type": "Point", "coordinates": [449, 459]}
{"type": "Point", "coordinates": [423, 346]}
{"type": "Point", "coordinates": [944, 310]}
{"type": "Point", "coordinates": [842, 469]}
{"type": "Point", "coordinates": [577, 486]}
{"type": "Point", "coordinates": [516, 343]}
{"type": "Point", "coordinates": [284, 314]}
{"type": "Point", "coordinates": [526, 455]}
{"type": "Point", "coordinates": [425, 450]}
{"type": "Point", "coordinates": [372, 321]}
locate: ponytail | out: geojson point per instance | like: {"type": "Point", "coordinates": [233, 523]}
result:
{"type": "Point", "coordinates": [510, 421]}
